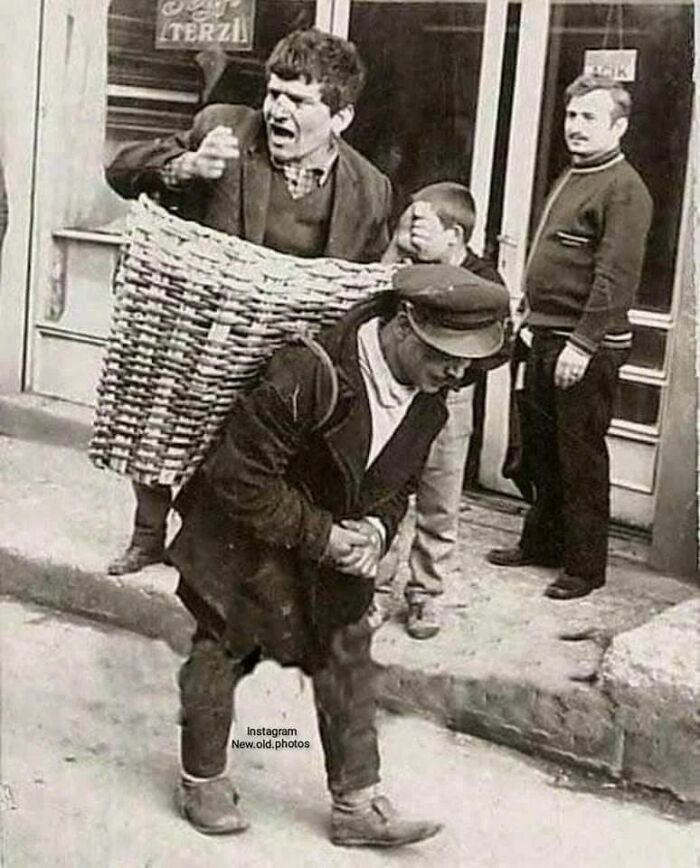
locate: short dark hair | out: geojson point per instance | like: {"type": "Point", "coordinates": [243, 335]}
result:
{"type": "Point", "coordinates": [453, 203]}
{"type": "Point", "coordinates": [621, 99]}
{"type": "Point", "coordinates": [316, 56]}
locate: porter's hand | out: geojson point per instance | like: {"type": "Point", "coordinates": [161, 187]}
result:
{"type": "Point", "coordinates": [341, 546]}
{"type": "Point", "coordinates": [364, 560]}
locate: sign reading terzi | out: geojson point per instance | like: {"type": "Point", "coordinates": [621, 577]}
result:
{"type": "Point", "coordinates": [198, 24]}
{"type": "Point", "coordinates": [620, 64]}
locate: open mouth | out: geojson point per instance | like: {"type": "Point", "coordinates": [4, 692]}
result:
{"type": "Point", "coordinates": [278, 131]}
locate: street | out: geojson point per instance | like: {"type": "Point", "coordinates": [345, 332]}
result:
{"type": "Point", "coordinates": [89, 761]}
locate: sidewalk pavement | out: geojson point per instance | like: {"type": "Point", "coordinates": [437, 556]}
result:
{"type": "Point", "coordinates": [623, 697]}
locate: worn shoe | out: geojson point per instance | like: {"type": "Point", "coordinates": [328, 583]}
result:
{"type": "Point", "coordinates": [211, 806]}
{"type": "Point", "coordinates": [568, 587]}
{"type": "Point", "coordinates": [135, 558]}
{"type": "Point", "coordinates": [377, 824]}
{"type": "Point", "coordinates": [516, 557]}
{"type": "Point", "coordinates": [423, 618]}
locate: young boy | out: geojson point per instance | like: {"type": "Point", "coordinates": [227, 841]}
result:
{"type": "Point", "coordinates": [436, 227]}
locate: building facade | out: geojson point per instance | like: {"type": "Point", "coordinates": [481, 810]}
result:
{"type": "Point", "coordinates": [466, 91]}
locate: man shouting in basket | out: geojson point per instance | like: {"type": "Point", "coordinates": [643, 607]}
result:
{"type": "Point", "coordinates": [285, 523]}
{"type": "Point", "coordinates": [281, 177]}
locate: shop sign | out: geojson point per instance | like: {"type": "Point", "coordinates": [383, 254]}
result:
{"type": "Point", "coordinates": [198, 24]}
{"type": "Point", "coordinates": [620, 64]}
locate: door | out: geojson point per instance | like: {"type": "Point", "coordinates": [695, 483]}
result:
{"type": "Point", "coordinates": [104, 81]}
{"type": "Point", "coordinates": [554, 39]}
{"type": "Point", "coordinates": [417, 117]}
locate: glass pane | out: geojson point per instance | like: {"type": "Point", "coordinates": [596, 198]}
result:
{"type": "Point", "coordinates": [657, 140]}
{"type": "Point", "coordinates": [500, 152]}
{"type": "Point", "coordinates": [243, 80]}
{"type": "Point", "coordinates": [415, 119]}
{"type": "Point", "coordinates": [139, 77]}
{"type": "Point", "coordinates": [148, 110]}
{"type": "Point", "coordinates": [637, 402]}
{"type": "Point", "coordinates": [648, 348]}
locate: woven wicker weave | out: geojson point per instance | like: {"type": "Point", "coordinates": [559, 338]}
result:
{"type": "Point", "coordinates": [197, 313]}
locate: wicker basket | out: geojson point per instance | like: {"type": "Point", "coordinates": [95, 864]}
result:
{"type": "Point", "coordinates": [197, 313]}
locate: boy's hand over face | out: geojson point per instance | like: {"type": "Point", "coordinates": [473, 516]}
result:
{"type": "Point", "coordinates": [428, 237]}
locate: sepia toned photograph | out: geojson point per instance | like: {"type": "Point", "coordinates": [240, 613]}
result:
{"type": "Point", "coordinates": [349, 457]}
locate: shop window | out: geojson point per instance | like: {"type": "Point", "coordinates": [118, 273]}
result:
{"type": "Point", "coordinates": [648, 348]}
{"type": "Point", "coordinates": [155, 91]}
{"type": "Point", "coordinates": [150, 92]}
{"type": "Point", "coordinates": [415, 119]}
{"type": "Point", "coordinates": [637, 403]}
{"type": "Point", "coordinates": [657, 140]}
{"type": "Point", "coordinates": [243, 78]}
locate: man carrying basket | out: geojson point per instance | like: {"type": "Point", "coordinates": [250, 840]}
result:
{"type": "Point", "coordinates": [281, 177]}
{"type": "Point", "coordinates": [284, 524]}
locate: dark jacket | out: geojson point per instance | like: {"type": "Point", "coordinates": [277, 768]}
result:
{"type": "Point", "coordinates": [257, 515]}
{"type": "Point", "coordinates": [237, 203]}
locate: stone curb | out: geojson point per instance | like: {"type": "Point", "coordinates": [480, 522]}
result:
{"type": "Point", "coordinates": [652, 676]}
{"type": "Point", "coordinates": [575, 727]}
{"type": "Point", "coordinates": [583, 725]}
{"type": "Point", "coordinates": [139, 604]}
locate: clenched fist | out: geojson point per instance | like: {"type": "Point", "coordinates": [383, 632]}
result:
{"type": "Point", "coordinates": [209, 160]}
{"type": "Point", "coordinates": [218, 146]}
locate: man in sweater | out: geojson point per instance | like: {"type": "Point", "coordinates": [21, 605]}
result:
{"type": "Point", "coordinates": [436, 227]}
{"type": "Point", "coordinates": [281, 177]}
{"type": "Point", "coordinates": [581, 279]}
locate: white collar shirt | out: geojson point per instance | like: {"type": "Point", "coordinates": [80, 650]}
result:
{"type": "Point", "coordinates": [388, 399]}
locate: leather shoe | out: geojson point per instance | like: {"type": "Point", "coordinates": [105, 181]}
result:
{"type": "Point", "coordinates": [377, 824]}
{"type": "Point", "coordinates": [135, 558]}
{"type": "Point", "coordinates": [211, 806]}
{"type": "Point", "coordinates": [516, 557]}
{"type": "Point", "coordinates": [423, 618]}
{"type": "Point", "coordinates": [568, 587]}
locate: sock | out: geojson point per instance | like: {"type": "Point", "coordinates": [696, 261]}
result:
{"type": "Point", "coordinates": [193, 780]}
{"type": "Point", "coordinates": [354, 800]}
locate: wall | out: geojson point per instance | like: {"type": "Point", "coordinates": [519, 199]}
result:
{"type": "Point", "coordinates": [70, 188]}
{"type": "Point", "coordinates": [19, 66]}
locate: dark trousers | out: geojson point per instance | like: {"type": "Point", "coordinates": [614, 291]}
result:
{"type": "Point", "coordinates": [150, 520]}
{"type": "Point", "coordinates": [343, 696]}
{"type": "Point", "coordinates": [563, 432]}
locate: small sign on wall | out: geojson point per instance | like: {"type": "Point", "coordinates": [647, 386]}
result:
{"type": "Point", "coordinates": [198, 24]}
{"type": "Point", "coordinates": [620, 64]}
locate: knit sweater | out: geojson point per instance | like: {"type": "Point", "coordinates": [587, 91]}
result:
{"type": "Point", "coordinates": [298, 226]}
{"type": "Point", "coordinates": [587, 255]}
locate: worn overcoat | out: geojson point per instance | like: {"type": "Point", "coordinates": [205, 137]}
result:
{"type": "Point", "coordinates": [237, 203]}
{"type": "Point", "coordinates": [258, 513]}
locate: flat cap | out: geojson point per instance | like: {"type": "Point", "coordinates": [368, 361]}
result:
{"type": "Point", "coordinates": [453, 310]}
